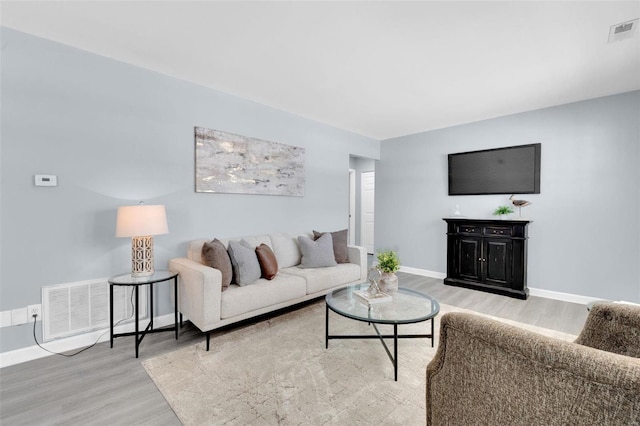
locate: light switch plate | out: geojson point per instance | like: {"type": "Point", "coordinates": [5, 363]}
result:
{"type": "Point", "coordinates": [46, 180]}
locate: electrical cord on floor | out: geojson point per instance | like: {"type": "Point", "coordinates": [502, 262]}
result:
{"type": "Point", "coordinates": [35, 317]}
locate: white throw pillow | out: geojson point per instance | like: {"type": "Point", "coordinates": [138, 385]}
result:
{"type": "Point", "coordinates": [286, 249]}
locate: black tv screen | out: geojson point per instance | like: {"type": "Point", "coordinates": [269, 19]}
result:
{"type": "Point", "coordinates": [510, 170]}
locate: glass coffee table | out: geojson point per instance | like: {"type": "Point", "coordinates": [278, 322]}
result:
{"type": "Point", "coordinates": [406, 307]}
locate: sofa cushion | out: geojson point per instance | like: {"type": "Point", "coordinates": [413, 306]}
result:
{"type": "Point", "coordinates": [340, 250]}
{"type": "Point", "coordinates": [316, 254]}
{"type": "Point", "coordinates": [263, 293]}
{"type": "Point", "coordinates": [320, 279]}
{"type": "Point", "coordinates": [194, 250]}
{"type": "Point", "coordinates": [267, 260]}
{"type": "Point", "coordinates": [255, 240]}
{"type": "Point", "coordinates": [286, 249]}
{"type": "Point", "coordinates": [246, 268]}
{"type": "Point", "coordinates": [215, 255]}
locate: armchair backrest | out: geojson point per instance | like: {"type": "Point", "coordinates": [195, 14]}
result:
{"type": "Point", "coordinates": [489, 372]}
{"type": "Point", "coordinates": [613, 327]}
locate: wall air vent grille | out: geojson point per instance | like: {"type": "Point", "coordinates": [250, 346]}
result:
{"type": "Point", "coordinates": [623, 31]}
{"type": "Point", "coordinates": [75, 308]}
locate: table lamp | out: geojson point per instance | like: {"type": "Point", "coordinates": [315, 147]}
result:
{"type": "Point", "coordinates": [141, 223]}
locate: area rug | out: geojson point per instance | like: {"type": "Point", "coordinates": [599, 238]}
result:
{"type": "Point", "coordinates": [278, 372]}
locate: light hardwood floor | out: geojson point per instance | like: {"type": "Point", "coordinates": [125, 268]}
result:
{"type": "Point", "coordinates": [104, 386]}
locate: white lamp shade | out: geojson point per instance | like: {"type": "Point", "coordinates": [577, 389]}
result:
{"type": "Point", "coordinates": [135, 221]}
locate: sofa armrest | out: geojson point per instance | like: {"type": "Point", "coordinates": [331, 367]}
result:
{"type": "Point", "coordinates": [199, 292]}
{"type": "Point", "coordinates": [358, 256]}
{"type": "Point", "coordinates": [488, 372]}
{"type": "Point", "coordinates": [613, 327]}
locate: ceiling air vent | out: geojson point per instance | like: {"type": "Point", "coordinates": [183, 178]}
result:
{"type": "Point", "coordinates": [623, 31]}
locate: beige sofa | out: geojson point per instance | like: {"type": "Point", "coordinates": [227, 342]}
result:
{"type": "Point", "coordinates": [201, 300]}
{"type": "Point", "coordinates": [488, 373]}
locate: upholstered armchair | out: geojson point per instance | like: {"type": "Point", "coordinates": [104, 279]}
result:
{"type": "Point", "coordinates": [489, 373]}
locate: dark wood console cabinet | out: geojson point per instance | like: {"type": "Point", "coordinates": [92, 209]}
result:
{"type": "Point", "coordinates": [488, 255]}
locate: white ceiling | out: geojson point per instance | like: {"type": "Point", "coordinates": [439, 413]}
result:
{"type": "Point", "coordinates": [379, 68]}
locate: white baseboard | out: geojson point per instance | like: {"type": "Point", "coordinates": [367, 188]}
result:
{"type": "Point", "coordinates": [423, 272]}
{"type": "Point", "coordinates": [538, 292]}
{"type": "Point", "coordinates": [75, 342]}
{"type": "Point", "coordinates": [565, 297]}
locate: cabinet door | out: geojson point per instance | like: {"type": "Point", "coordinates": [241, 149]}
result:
{"type": "Point", "coordinates": [497, 262]}
{"type": "Point", "coordinates": [468, 258]}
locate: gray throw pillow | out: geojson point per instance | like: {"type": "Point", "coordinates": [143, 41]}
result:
{"type": "Point", "coordinates": [317, 254]}
{"type": "Point", "coordinates": [340, 249]}
{"type": "Point", "coordinates": [246, 268]}
{"type": "Point", "coordinates": [215, 255]}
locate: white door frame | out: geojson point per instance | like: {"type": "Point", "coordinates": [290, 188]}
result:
{"type": "Point", "coordinates": [352, 207]}
{"type": "Point", "coordinates": [367, 204]}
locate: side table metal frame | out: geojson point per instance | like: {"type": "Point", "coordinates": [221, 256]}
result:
{"type": "Point", "coordinates": [139, 335]}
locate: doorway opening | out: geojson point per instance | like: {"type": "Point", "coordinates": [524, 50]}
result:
{"type": "Point", "coordinates": [362, 202]}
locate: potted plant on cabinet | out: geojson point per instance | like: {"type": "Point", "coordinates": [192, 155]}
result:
{"type": "Point", "coordinates": [388, 264]}
{"type": "Point", "coordinates": [502, 211]}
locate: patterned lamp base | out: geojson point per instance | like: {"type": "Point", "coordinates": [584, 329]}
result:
{"type": "Point", "coordinates": [142, 256]}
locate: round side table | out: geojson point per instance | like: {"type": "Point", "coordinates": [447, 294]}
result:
{"type": "Point", "coordinates": [136, 283]}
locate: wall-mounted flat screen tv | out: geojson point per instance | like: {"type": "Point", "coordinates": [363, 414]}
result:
{"type": "Point", "coordinates": [509, 170]}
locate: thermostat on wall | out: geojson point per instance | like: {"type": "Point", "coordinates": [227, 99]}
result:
{"type": "Point", "coordinates": [46, 180]}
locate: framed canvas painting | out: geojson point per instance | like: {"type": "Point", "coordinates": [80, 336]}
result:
{"type": "Point", "coordinates": [234, 164]}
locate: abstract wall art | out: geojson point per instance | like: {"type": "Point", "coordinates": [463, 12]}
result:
{"type": "Point", "coordinates": [235, 164]}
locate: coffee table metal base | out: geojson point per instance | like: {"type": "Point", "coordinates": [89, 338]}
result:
{"type": "Point", "coordinates": [395, 336]}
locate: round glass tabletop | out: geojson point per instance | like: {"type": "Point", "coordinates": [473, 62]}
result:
{"type": "Point", "coordinates": [128, 279]}
{"type": "Point", "coordinates": [407, 306]}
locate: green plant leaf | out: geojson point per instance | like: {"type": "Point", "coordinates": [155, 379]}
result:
{"type": "Point", "coordinates": [388, 261]}
{"type": "Point", "coordinates": [503, 210]}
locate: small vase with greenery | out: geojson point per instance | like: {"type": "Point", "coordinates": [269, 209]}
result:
{"type": "Point", "coordinates": [388, 264]}
{"type": "Point", "coordinates": [502, 211]}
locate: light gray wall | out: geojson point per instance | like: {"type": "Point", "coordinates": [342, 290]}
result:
{"type": "Point", "coordinates": [585, 238]}
{"type": "Point", "coordinates": [115, 134]}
